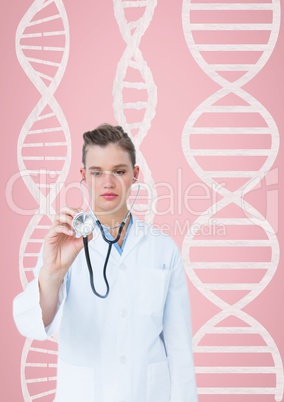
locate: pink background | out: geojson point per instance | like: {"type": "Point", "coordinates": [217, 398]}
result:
{"type": "Point", "coordinates": [86, 99]}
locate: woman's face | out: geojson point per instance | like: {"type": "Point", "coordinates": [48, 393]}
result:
{"type": "Point", "coordinates": [109, 175]}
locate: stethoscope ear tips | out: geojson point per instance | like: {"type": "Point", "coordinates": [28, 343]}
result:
{"type": "Point", "coordinates": [84, 223]}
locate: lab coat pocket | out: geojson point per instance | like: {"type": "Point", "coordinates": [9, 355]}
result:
{"type": "Point", "coordinates": [153, 284]}
{"type": "Point", "coordinates": [74, 383]}
{"type": "Point", "coordinates": [158, 382]}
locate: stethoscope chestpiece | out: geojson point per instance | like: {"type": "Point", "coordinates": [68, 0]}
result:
{"type": "Point", "coordinates": [84, 223]}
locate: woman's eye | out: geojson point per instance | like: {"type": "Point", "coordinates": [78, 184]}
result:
{"type": "Point", "coordinates": [116, 172]}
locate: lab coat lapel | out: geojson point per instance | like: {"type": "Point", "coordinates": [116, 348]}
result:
{"type": "Point", "coordinates": [136, 233]}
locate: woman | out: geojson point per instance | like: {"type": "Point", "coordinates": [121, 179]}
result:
{"type": "Point", "coordinates": [135, 344]}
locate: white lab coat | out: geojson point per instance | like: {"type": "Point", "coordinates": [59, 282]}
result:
{"type": "Point", "coordinates": [133, 346]}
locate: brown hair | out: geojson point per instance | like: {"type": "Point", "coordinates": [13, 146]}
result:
{"type": "Point", "coordinates": [106, 134]}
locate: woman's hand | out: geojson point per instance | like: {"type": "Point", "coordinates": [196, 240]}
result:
{"type": "Point", "coordinates": [61, 247]}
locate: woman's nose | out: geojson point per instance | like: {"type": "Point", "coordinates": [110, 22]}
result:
{"type": "Point", "coordinates": [108, 179]}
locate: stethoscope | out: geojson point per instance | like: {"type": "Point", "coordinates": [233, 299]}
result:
{"type": "Point", "coordinates": [84, 224]}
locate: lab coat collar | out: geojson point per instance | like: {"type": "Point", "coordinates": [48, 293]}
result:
{"type": "Point", "coordinates": [137, 231]}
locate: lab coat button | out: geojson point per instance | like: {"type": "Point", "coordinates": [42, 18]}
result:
{"type": "Point", "coordinates": [123, 360]}
{"type": "Point", "coordinates": [123, 267]}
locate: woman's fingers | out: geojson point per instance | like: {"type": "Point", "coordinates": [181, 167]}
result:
{"type": "Point", "coordinates": [62, 219]}
{"type": "Point", "coordinates": [69, 211]}
{"type": "Point", "coordinates": [65, 216]}
{"type": "Point", "coordinates": [62, 222]}
{"type": "Point", "coordinates": [64, 229]}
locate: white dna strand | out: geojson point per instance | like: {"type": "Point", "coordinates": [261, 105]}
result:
{"type": "Point", "coordinates": [231, 142]}
{"type": "Point", "coordinates": [134, 91]}
{"type": "Point", "coordinates": [44, 152]}
{"type": "Point", "coordinates": [38, 373]}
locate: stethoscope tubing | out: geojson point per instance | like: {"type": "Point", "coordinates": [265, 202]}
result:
{"type": "Point", "coordinates": [108, 241]}
{"type": "Point", "coordinates": [89, 264]}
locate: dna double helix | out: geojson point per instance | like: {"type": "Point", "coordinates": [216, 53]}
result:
{"type": "Point", "coordinates": [134, 91]}
{"type": "Point", "coordinates": [44, 152]}
{"type": "Point", "coordinates": [231, 141]}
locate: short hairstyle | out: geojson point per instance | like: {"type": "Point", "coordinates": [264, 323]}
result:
{"type": "Point", "coordinates": [107, 134]}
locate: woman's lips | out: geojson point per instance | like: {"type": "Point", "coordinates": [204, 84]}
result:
{"type": "Point", "coordinates": [109, 196]}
